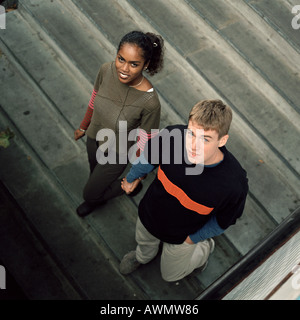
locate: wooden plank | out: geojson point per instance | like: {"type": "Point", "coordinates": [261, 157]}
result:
{"type": "Point", "coordinates": [27, 260]}
{"type": "Point", "coordinates": [81, 255]}
{"type": "Point", "coordinates": [280, 17]}
{"type": "Point", "coordinates": [115, 222]}
{"type": "Point", "coordinates": [270, 189]}
{"type": "Point", "coordinates": [253, 44]}
{"type": "Point", "coordinates": [112, 226]}
{"type": "Point", "coordinates": [224, 256]}
{"type": "Point", "coordinates": [226, 77]}
{"type": "Point", "coordinates": [90, 52]}
{"type": "Point", "coordinates": [35, 111]}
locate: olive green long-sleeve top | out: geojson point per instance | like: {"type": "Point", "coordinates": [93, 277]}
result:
{"type": "Point", "coordinates": [113, 101]}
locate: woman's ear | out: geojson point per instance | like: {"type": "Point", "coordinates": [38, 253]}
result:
{"type": "Point", "coordinates": [146, 66]}
{"type": "Point", "coordinates": [223, 140]}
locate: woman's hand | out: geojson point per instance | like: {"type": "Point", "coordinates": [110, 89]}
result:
{"type": "Point", "coordinates": [78, 134]}
{"type": "Point", "coordinates": [128, 187]}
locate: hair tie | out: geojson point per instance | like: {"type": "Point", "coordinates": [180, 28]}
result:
{"type": "Point", "coordinates": [154, 44]}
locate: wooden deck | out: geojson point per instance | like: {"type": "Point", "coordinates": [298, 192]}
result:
{"type": "Point", "coordinates": [242, 51]}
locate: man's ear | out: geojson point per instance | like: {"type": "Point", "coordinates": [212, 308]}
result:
{"type": "Point", "coordinates": [223, 140]}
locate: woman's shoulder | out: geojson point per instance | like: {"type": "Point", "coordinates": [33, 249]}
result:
{"type": "Point", "coordinates": [106, 66]}
{"type": "Point", "coordinates": [102, 74]}
{"type": "Point", "coordinates": [148, 87]}
{"type": "Point", "coordinates": [145, 87]}
{"type": "Point", "coordinates": [147, 100]}
{"type": "Point", "coordinates": [151, 101]}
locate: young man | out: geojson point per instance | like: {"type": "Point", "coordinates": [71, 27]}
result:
{"type": "Point", "coordinates": [199, 191]}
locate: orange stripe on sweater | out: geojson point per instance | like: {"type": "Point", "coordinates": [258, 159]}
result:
{"type": "Point", "coordinates": [181, 196]}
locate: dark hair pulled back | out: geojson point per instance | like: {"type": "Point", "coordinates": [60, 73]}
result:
{"type": "Point", "coordinates": [152, 46]}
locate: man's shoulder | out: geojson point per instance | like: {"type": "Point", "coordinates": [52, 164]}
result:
{"type": "Point", "coordinates": [234, 170]}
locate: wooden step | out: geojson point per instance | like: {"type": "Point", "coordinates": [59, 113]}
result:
{"type": "Point", "coordinates": [74, 161]}
{"type": "Point", "coordinates": [225, 77]}
{"type": "Point", "coordinates": [249, 145]}
{"type": "Point", "coordinates": [23, 255]}
{"type": "Point", "coordinates": [279, 16]}
{"type": "Point", "coordinates": [51, 55]}
{"type": "Point", "coordinates": [74, 251]}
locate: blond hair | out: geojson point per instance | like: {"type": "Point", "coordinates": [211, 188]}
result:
{"type": "Point", "coordinates": [212, 115]}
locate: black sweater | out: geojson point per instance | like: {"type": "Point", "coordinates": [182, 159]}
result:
{"type": "Point", "coordinates": [177, 205]}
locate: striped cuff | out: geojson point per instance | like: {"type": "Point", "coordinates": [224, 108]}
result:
{"type": "Point", "coordinates": [89, 112]}
{"type": "Point", "coordinates": [144, 137]}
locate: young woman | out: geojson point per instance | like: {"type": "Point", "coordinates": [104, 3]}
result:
{"type": "Point", "coordinates": [121, 93]}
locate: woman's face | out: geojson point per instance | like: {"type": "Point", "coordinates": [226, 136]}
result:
{"type": "Point", "coordinates": [130, 64]}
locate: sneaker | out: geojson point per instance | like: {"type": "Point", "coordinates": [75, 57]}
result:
{"type": "Point", "coordinates": [129, 263]}
{"type": "Point", "coordinates": [211, 243]}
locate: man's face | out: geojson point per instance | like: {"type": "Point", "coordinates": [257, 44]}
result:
{"type": "Point", "coordinates": [203, 145]}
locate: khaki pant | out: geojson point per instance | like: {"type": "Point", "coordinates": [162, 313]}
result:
{"type": "Point", "coordinates": [177, 260]}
